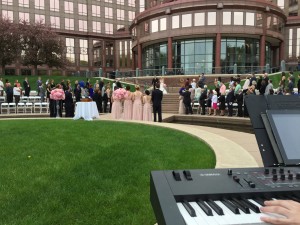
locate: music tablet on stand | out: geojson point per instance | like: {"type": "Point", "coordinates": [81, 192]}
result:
{"type": "Point", "coordinates": [285, 126]}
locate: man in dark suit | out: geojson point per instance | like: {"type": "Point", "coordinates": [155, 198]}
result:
{"type": "Point", "coordinates": [157, 96]}
{"type": "Point", "coordinates": [229, 100]}
{"type": "Point", "coordinates": [187, 101]}
{"type": "Point", "coordinates": [26, 87]}
{"type": "Point", "coordinates": [154, 81]}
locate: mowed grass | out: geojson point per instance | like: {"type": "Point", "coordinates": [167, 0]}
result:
{"type": "Point", "coordinates": [65, 172]}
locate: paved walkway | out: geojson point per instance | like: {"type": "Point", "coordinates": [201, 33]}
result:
{"type": "Point", "coordinates": [233, 149]}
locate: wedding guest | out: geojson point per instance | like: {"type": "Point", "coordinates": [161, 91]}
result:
{"type": "Point", "coordinates": [42, 92]}
{"type": "Point", "coordinates": [208, 101]}
{"type": "Point", "coordinates": [48, 91]}
{"type": "Point", "coordinates": [1, 87]}
{"type": "Point", "coordinates": [26, 87]}
{"type": "Point", "coordinates": [222, 100]}
{"type": "Point", "coordinates": [127, 111]}
{"type": "Point", "coordinates": [9, 93]}
{"type": "Point", "coordinates": [282, 81]}
{"type": "Point", "coordinates": [17, 93]}
{"type": "Point", "coordinates": [97, 97]}
{"type": "Point", "coordinates": [187, 100]}
{"type": "Point", "coordinates": [240, 99]}
{"type": "Point", "coordinates": [155, 80]}
{"type": "Point", "coordinates": [229, 100]}
{"type": "Point", "coordinates": [69, 104]}
{"type": "Point", "coordinates": [181, 109]}
{"type": "Point", "coordinates": [77, 93]}
{"type": "Point", "coordinates": [214, 102]}
{"type": "Point", "coordinates": [147, 111]}
{"type": "Point", "coordinates": [202, 100]}
{"type": "Point", "coordinates": [137, 109]}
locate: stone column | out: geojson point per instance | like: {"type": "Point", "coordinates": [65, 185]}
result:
{"type": "Point", "coordinates": [281, 51]}
{"type": "Point", "coordinates": [262, 51]}
{"type": "Point", "coordinates": [218, 54]}
{"type": "Point", "coordinates": [170, 53]}
{"type": "Point", "coordinates": [139, 56]}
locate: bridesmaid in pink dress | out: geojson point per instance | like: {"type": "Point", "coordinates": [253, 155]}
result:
{"type": "Point", "coordinates": [137, 109]}
{"type": "Point", "coordinates": [127, 112]}
{"type": "Point", "coordinates": [116, 109]}
{"type": "Point", "coordinates": [147, 109]}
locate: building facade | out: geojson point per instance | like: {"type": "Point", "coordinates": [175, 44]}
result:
{"type": "Point", "coordinates": [195, 36]}
{"type": "Point", "coordinates": [96, 32]}
{"type": "Point", "coordinates": [166, 36]}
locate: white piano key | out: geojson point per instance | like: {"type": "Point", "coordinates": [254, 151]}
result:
{"type": "Point", "coordinates": [186, 216]}
{"type": "Point", "coordinates": [229, 215]}
{"type": "Point", "coordinates": [211, 220]}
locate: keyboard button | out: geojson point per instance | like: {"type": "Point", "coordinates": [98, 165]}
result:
{"type": "Point", "coordinates": [204, 207]}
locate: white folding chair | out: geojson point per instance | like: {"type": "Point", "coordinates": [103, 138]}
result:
{"type": "Point", "coordinates": [28, 107]}
{"type": "Point", "coordinates": [21, 107]}
{"type": "Point", "coordinates": [45, 106]}
{"type": "Point", "coordinates": [37, 106]}
{"type": "Point", "coordinates": [12, 107]}
{"type": "Point", "coordinates": [4, 106]}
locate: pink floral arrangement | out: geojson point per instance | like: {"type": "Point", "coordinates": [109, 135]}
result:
{"type": "Point", "coordinates": [119, 93]}
{"type": "Point", "coordinates": [57, 94]}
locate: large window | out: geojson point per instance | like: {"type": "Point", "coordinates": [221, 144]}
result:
{"type": "Point", "coordinates": [154, 58]}
{"type": "Point", "coordinates": [39, 4]}
{"type": "Point", "coordinates": [226, 18]}
{"type": "Point", "coordinates": [131, 3]}
{"type": "Point", "coordinates": [69, 7]}
{"type": "Point", "coordinates": [154, 26]}
{"type": "Point", "coordinates": [186, 20]}
{"type": "Point", "coordinates": [70, 50]}
{"type": "Point", "coordinates": [96, 10]}
{"type": "Point", "coordinates": [97, 50]}
{"type": "Point", "coordinates": [39, 18]}
{"type": "Point", "coordinates": [96, 26]}
{"type": "Point", "coordinates": [211, 18]}
{"type": "Point", "coordinates": [54, 5]}
{"type": "Point", "coordinates": [82, 25]}
{"type": "Point", "coordinates": [175, 22]}
{"type": "Point", "coordinates": [280, 3]}
{"type": "Point", "coordinates": [7, 2]}
{"type": "Point", "coordinates": [120, 14]}
{"type": "Point", "coordinates": [250, 19]}
{"type": "Point", "coordinates": [82, 9]}
{"type": "Point", "coordinates": [23, 16]}
{"type": "Point", "coordinates": [131, 15]}
{"type": "Point", "coordinates": [69, 24]}
{"type": "Point", "coordinates": [298, 43]}
{"type": "Point", "coordinates": [55, 21]}
{"type": "Point", "coordinates": [8, 14]}
{"type": "Point", "coordinates": [290, 43]}
{"type": "Point", "coordinates": [24, 3]}
{"type": "Point", "coordinates": [83, 44]}
{"type": "Point", "coordinates": [163, 24]}
{"type": "Point", "coordinates": [108, 28]}
{"type": "Point", "coordinates": [199, 19]}
{"type": "Point", "coordinates": [120, 2]}
{"type": "Point", "coordinates": [238, 18]}
{"type": "Point", "coordinates": [242, 52]}
{"type": "Point", "coordinates": [108, 13]}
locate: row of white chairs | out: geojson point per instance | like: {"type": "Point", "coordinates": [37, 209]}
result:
{"type": "Point", "coordinates": [23, 99]}
{"type": "Point", "coordinates": [22, 107]}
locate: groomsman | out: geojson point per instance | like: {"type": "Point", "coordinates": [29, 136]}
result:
{"type": "Point", "coordinates": [157, 96]}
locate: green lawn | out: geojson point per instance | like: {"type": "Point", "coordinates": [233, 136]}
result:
{"type": "Point", "coordinates": [65, 172]}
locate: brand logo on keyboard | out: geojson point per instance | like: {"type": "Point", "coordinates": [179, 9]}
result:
{"type": "Point", "coordinates": [209, 174]}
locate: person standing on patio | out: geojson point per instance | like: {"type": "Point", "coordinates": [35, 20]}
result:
{"type": "Point", "coordinates": [157, 96]}
{"type": "Point", "coordinates": [26, 87]}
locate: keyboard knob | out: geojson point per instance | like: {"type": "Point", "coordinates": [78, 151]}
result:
{"type": "Point", "coordinates": [275, 177]}
{"type": "Point", "coordinates": [274, 171]}
{"type": "Point", "coordinates": [267, 171]}
{"type": "Point", "coordinates": [282, 177]}
{"type": "Point", "coordinates": [229, 172]}
{"type": "Point", "coordinates": [290, 177]}
{"type": "Point", "coordinates": [281, 170]}
{"type": "Point", "coordinates": [251, 184]}
{"type": "Point", "coordinates": [298, 176]}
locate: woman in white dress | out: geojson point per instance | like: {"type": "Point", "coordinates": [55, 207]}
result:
{"type": "Point", "coordinates": [162, 86]}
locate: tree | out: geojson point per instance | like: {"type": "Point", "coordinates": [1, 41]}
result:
{"type": "Point", "coordinates": [41, 46]}
{"type": "Point", "coordinates": [10, 46]}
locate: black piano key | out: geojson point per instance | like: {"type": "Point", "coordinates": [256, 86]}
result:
{"type": "Point", "coordinates": [259, 201]}
{"type": "Point", "coordinates": [189, 208]}
{"type": "Point", "coordinates": [215, 207]}
{"type": "Point", "coordinates": [241, 205]}
{"type": "Point", "coordinates": [294, 198]}
{"type": "Point", "coordinates": [252, 206]}
{"type": "Point", "coordinates": [230, 206]}
{"type": "Point", "coordinates": [204, 207]}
